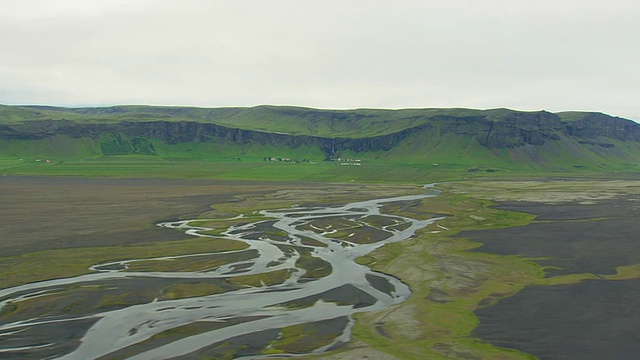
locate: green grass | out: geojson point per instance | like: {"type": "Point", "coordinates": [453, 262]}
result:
{"type": "Point", "coordinates": [153, 166]}
{"type": "Point", "coordinates": [59, 146]}
{"type": "Point", "coordinates": [377, 171]}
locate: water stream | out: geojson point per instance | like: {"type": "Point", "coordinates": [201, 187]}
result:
{"type": "Point", "coordinates": [332, 237]}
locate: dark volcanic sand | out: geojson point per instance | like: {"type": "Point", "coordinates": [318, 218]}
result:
{"type": "Point", "coordinates": [574, 237]}
{"type": "Point", "coordinates": [44, 213]}
{"type": "Point", "coordinates": [40, 213]}
{"type": "Point", "coordinates": [595, 319]}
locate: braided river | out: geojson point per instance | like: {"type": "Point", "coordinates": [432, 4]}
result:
{"type": "Point", "coordinates": [316, 288]}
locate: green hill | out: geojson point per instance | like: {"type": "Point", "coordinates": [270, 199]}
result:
{"type": "Point", "coordinates": [418, 141]}
{"type": "Point", "coordinates": [276, 119]}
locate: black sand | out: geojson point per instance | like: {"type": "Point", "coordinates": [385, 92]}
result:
{"type": "Point", "coordinates": [573, 238]}
{"type": "Point", "coordinates": [596, 319]}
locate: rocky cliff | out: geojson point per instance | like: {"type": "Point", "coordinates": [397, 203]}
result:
{"type": "Point", "coordinates": [499, 129]}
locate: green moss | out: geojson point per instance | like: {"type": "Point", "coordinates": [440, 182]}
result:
{"type": "Point", "coordinates": [263, 279]}
{"type": "Point", "coordinates": [316, 268]}
{"type": "Point", "coordinates": [36, 266]}
{"type": "Point", "coordinates": [304, 338]}
{"type": "Point", "coordinates": [182, 291]}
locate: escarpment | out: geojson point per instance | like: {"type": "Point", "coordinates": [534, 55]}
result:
{"type": "Point", "coordinates": [125, 130]}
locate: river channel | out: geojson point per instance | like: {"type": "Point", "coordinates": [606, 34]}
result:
{"type": "Point", "coordinates": [115, 313]}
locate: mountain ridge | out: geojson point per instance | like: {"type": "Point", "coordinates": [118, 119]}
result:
{"type": "Point", "coordinates": [264, 117]}
{"type": "Point", "coordinates": [465, 137]}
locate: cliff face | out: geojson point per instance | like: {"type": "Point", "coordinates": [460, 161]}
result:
{"type": "Point", "coordinates": [519, 129]}
{"type": "Point", "coordinates": [514, 130]}
{"type": "Point", "coordinates": [596, 125]}
{"type": "Point", "coordinates": [510, 130]}
{"type": "Point", "coordinates": [184, 132]}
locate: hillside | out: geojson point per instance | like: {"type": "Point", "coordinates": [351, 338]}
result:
{"type": "Point", "coordinates": [457, 138]}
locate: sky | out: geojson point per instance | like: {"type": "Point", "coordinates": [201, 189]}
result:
{"type": "Point", "coordinates": [553, 55]}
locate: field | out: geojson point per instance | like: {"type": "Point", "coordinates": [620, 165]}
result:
{"type": "Point", "coordinates": [467, 286]}
{"type": "Point", "coordinates": [252, 168]}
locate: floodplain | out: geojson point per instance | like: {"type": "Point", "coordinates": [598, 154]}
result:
{"type": "Point", "coordinates": [493, 253]}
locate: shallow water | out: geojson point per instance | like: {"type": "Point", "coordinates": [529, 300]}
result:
{"type": "Point", "coordinates": [143, 327]}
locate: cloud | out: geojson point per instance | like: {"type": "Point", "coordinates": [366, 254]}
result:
{"type": "Point", "coordinates": [61, 9]}
{"type": "Point", "coordinates": [495, 53]}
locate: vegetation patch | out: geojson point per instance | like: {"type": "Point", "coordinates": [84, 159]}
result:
{"type": "Point", "coordinates": [36, 266]}
{"type": "Point", "coordinates": [311, 242]}
{"type": "Point", "coordinates": [264, 279]}
{"type": "Point", "coordinates": [305, 338]}
{"type": "Point", "coordinates": [315, 267]}
{"type": "Point", "coordinates": [361, 234]}
{"type": "Point", "coordinates": [176, 333]}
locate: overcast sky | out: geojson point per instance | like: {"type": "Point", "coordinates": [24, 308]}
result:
{"type": "Point", "coordinates": [523, 54]}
